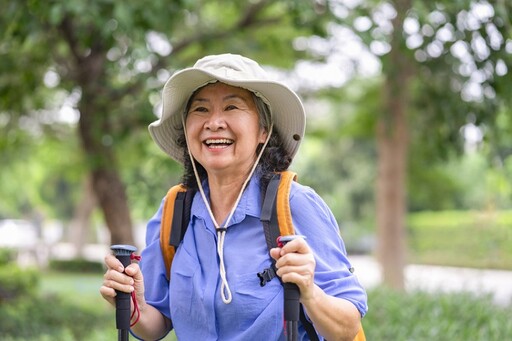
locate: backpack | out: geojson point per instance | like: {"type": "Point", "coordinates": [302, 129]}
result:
{"type": "Point", "coordinates": [275, 216]}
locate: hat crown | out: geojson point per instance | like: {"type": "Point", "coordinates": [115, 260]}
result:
{"type": "Point", "coordinates": [232, 66]}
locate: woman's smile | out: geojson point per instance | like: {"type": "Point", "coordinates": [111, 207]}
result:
{"type": "Point", "coordinates": [218, 143]}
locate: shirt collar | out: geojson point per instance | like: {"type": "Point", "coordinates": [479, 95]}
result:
{"type": "Point", "coordinates": [249, 205]}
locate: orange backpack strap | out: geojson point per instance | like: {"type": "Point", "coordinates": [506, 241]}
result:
{"type": "Point", "coordinates": [360, 335]}
{"type": "Point", "coordinates": [166, 226]}
{"type": "Point", "coordinates": [276, 215]}
{"type": "Point", "coordinates": [284, 216]}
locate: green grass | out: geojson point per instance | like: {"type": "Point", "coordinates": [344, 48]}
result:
{"type": "Point", "coordinates": [82, 289]}
{"type": "Point", "coordinates": [461, 238]}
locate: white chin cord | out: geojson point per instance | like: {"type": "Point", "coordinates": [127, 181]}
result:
{"type": "Point", "coordinates": [221, 231]}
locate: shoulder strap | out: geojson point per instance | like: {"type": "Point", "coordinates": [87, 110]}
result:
{"type": "Point", "coordinates": [269, 214]}
{"type": "Point", "coordinates": [284, 213]}
{"type": "Point", "coordinates": [276, 217]}
{"type": "Point", "coordinates": [174, 201]}
{"type": "Point", "coordinates": [360, 335]}
{"type": "Point", "coordinates": [275, 211]}
{"type": "Point", "coordinates": [277, 221]}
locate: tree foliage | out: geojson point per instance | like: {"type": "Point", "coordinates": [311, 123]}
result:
{"type": "Point", "coordinates": [80, 82]}
{"type": "Point", "coordinates": [113, 58]}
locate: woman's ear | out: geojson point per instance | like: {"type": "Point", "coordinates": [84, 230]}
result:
{"type": "Point", "coordinates": [263, 135]}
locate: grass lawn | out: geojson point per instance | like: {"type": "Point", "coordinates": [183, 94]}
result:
{"type": "Point", "coordinates": [80, 288]}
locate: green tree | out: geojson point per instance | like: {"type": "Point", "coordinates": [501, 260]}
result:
{"type": "Point", "coordinates": [113, 58]}
{"type": "Point", "coordinates": [442, 63]}
{"type": "Point", "coordinates": [447, 60]}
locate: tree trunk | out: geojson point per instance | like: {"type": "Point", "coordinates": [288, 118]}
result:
{"type": "Point", "coordinates": [82, 217]}
{"type": "Point", "coordinates": [392, 148]}
{"type": "Point", "coordinates": [113, 201]}
{"type": "Point", "coordinates": [97, 142]}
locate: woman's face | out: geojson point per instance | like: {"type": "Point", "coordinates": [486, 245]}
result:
{"type": "Point", "coordinates": [223, 129]}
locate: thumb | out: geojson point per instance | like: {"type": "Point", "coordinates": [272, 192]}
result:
{"type": "Point", "coordinates": [275, 253]}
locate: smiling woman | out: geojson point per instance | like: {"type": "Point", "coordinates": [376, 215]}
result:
{"type": "Point", "coordinates": [233, 129]}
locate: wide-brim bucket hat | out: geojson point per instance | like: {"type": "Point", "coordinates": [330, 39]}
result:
{"type": "Point", "coordinates": [287, 111]}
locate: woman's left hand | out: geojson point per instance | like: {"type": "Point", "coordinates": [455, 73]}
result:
{"type": "Point", "coordinates": [296, 263]}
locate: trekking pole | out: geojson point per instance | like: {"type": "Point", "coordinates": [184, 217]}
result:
{"type": "Point", "coordinates": [291, 300]}
{"type": "Point", "coordinates": [123, 253]}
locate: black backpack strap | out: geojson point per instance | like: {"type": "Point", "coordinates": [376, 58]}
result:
{"type": "Point", "coordinates": [269, 212]}
{"type": "Point", "coordinates": [181, 217]}
{"type": "Point", "coordinates": [271, 229]}
{"type": "Point", "coordinates": [270, 226]}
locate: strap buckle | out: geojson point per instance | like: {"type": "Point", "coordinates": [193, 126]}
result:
{"type": "Point", "coordinates": [266, 275]}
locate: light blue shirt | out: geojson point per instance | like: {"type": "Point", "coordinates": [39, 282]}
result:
{"type": "Point", "coordinates": [192, 299]}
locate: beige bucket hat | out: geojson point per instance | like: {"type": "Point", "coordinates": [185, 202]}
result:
{"type": "Point", "coordinates": [286, 108]}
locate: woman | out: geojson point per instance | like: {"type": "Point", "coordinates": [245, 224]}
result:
{"type": "Point", "coordinates": [232, 128]}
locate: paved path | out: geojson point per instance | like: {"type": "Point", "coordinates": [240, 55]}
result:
{"type": "Point", "coordinates": [497, 283]}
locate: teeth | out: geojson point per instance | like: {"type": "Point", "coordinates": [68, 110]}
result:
{"type": "Point", "coordinates": [218, 141]}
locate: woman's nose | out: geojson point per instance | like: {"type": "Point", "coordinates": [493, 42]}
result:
{"type": "Point", "coordinates": [215, 121]}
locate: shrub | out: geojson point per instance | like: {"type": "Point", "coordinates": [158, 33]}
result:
{"type": "Point", "coordinates": [49, 318]}
{"type": "Point", "coordinates": [422, 316]}
{"type": "Point", "coordinates": [6, 256]}
{"type": "Point", "coordinates": [77, 265]}
{"type": "Point", "coordinates": [26, 314]}
{"type": "Point", "coordinates": [16, 282]}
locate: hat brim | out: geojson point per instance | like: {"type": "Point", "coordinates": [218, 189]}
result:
{"type": "Point", "coordinates": [288, 113]}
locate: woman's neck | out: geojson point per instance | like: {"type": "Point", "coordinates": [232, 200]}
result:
{"type": "Point", "coordinates": [223, 195]}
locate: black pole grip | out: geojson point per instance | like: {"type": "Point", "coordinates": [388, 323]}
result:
{"type": "Point", "coordinates": [291, 302]}
{"type": "Point", "coordinates": [123, 253]}
{"type": "Point", "coordinates": [291, 299]}
{"type": "Point", "coordinates": [291, 290]}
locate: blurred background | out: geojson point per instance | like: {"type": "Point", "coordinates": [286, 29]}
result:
{"type": "Point", "coordinates": [408, 139]}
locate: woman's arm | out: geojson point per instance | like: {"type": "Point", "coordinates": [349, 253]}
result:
{"type": "Point", "coordinates": [334, 318]}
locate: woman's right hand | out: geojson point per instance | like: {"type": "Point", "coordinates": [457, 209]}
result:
{"type": "Point", "coordinates": [118, 278]}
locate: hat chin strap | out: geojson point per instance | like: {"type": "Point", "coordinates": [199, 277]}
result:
{"type": "Point", "coordinates": [221, 231]}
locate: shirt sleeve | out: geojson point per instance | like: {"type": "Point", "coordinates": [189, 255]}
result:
{"type": "Point", "coordinates": [153, 268]}
{"type": "Point", "coordinates": [314, 219]}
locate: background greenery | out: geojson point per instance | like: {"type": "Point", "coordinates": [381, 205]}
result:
{"type": "Point", "coordinates": [67, 306]}
{"type": "Point", "coordinates": [462, 238]}
{"type": "Point", "coordinates": [459, 196]}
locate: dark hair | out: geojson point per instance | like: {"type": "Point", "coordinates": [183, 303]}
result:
{"type": "Point", "coordinates": [274, 157]}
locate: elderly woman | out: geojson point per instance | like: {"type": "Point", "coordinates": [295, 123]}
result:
{"type": "Point", "coordinates": [232, 128]}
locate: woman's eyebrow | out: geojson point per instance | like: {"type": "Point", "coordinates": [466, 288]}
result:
{"type": "Point", "coordinates": [234, 96]}
{"type": "Point", "coordinates": [198, 99]}
{"type": "Point", "coordinates": [225, 98]}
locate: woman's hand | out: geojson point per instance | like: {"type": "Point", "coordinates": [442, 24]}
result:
{"type": "Point", "coordinates": [296, 263]}
{"type": "Point", "coordinates": [150, 323]}
{"type": "Point", "coordinates": [118, 278]}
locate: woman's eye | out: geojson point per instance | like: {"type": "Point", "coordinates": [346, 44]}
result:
{"type": "Point", "coordinates": [199, 109]}
{"type": "Point", "coordinates": [231, 107]}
